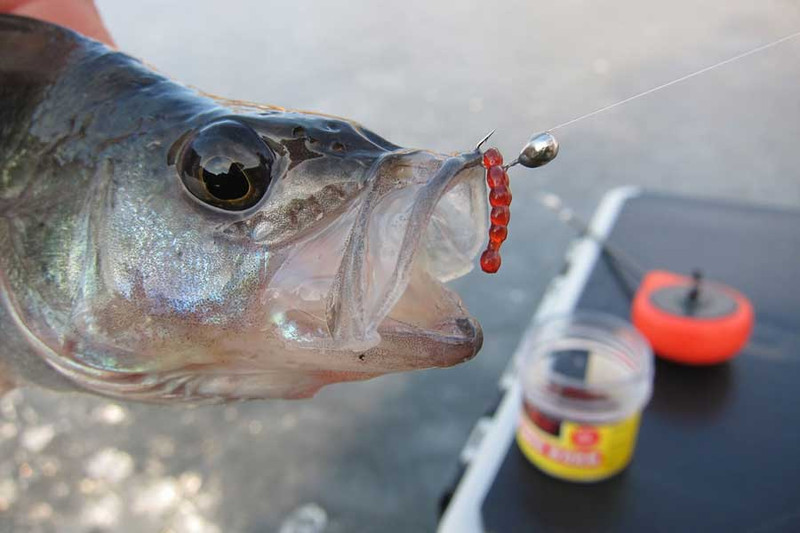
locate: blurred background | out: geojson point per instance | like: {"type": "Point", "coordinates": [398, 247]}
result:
{"type": "Point", "coordinates": [435, 74]}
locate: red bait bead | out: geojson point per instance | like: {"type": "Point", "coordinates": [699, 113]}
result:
{"type": "Point", "coordinates": [500, 199]}
{"type": "Point", "coordinates": [500, 196]}
{"type": "Point", "coordinates": [496, 177]}
{"type": "Point", "coordinates": [490, 261]}
{"type": "Point", "coordinates": [498, 234]}
{"type": "Point", "coordinates": [492, 158]}
{"type": "Point", "coordinates": [501, 215]}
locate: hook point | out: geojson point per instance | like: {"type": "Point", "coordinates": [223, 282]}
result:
{"type": "Point", "coordinates": [486, 138]}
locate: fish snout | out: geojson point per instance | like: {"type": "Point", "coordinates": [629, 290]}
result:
{"type": "Point", "coordinates": [472, 333]}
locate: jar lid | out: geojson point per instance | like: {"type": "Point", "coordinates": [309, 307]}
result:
{"type": "Point", "coordinates": [587, 366]}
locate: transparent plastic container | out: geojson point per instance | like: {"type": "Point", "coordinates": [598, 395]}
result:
{"type": "Point", "coordinates": [585, 380]}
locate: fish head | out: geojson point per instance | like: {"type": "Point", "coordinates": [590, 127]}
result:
{"type": "Point", "coordinates": [269, 254]}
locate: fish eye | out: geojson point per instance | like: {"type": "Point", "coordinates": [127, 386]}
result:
{"type": "Point", "coordinates": [226, 165]}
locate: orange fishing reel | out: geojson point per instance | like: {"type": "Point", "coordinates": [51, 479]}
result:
{"type": "Point", "coordinates": [689, 320]}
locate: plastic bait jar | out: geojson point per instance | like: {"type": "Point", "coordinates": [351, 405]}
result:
{"type": "Point", "coordinates": [585, 379]}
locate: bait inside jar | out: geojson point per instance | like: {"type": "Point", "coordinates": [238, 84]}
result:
{"type": "Point", "coordinates": [585, 379]}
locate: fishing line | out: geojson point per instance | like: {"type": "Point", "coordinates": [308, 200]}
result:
{"type": "Point", "coordinates": [678, 80]}
{"type": "Point", "coordinates": [543, 148]}
{"type": "Point", "coordinates": [553, 202]}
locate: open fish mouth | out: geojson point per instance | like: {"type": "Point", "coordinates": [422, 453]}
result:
{"type": "Point", "coordinates": [419, 223]}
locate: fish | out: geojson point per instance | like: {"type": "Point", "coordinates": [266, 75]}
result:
{"type": "Point", "coordinates": [160, 244]}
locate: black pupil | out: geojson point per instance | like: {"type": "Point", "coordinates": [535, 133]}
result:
{"type": "Point", "coordinates": [229, 185]}
{"type": "Point", "coordinates": [226, 165]}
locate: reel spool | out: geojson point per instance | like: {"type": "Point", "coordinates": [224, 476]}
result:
{"type": "Point", "coordinates": [689, 320]}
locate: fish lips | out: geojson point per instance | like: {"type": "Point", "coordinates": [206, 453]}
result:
{"type": "Point", "coordinates": [449, 343]}
{"type": "Point", "coordinates": [388, 300]}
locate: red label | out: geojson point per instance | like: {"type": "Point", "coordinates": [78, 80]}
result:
{"type": "Point", "coordinates": [585, 437]}
{"type": "Point", "coordinates": [575, 458]}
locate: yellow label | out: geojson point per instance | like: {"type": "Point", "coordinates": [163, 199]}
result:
{"type": "Point", "coordinates": [578, 452]}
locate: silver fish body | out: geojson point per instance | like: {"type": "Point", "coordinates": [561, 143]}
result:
{"type": "Point", "coordinates": [159, 244]}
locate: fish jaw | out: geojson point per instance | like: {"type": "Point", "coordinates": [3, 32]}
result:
{"type": "Point", "coordinates": [418, 224]}
{"type": "Point", "coordinates": [394, 225]}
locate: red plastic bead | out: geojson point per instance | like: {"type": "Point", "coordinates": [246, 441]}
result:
{"type": "Point", "coordinates": [490, 261]}
{"type": "Point", "coordinates": [501, 215]}
{"type": "Point", "coordinates": [492, 158]}
{"type": "Point", "coordinates": [498, 234]}
{"type": "Point", "coordinates": [500, 199]}
{"type": "Point", "coordinates": [500, 196]}
{"type": "Point", "coordinates": [496, 177]}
